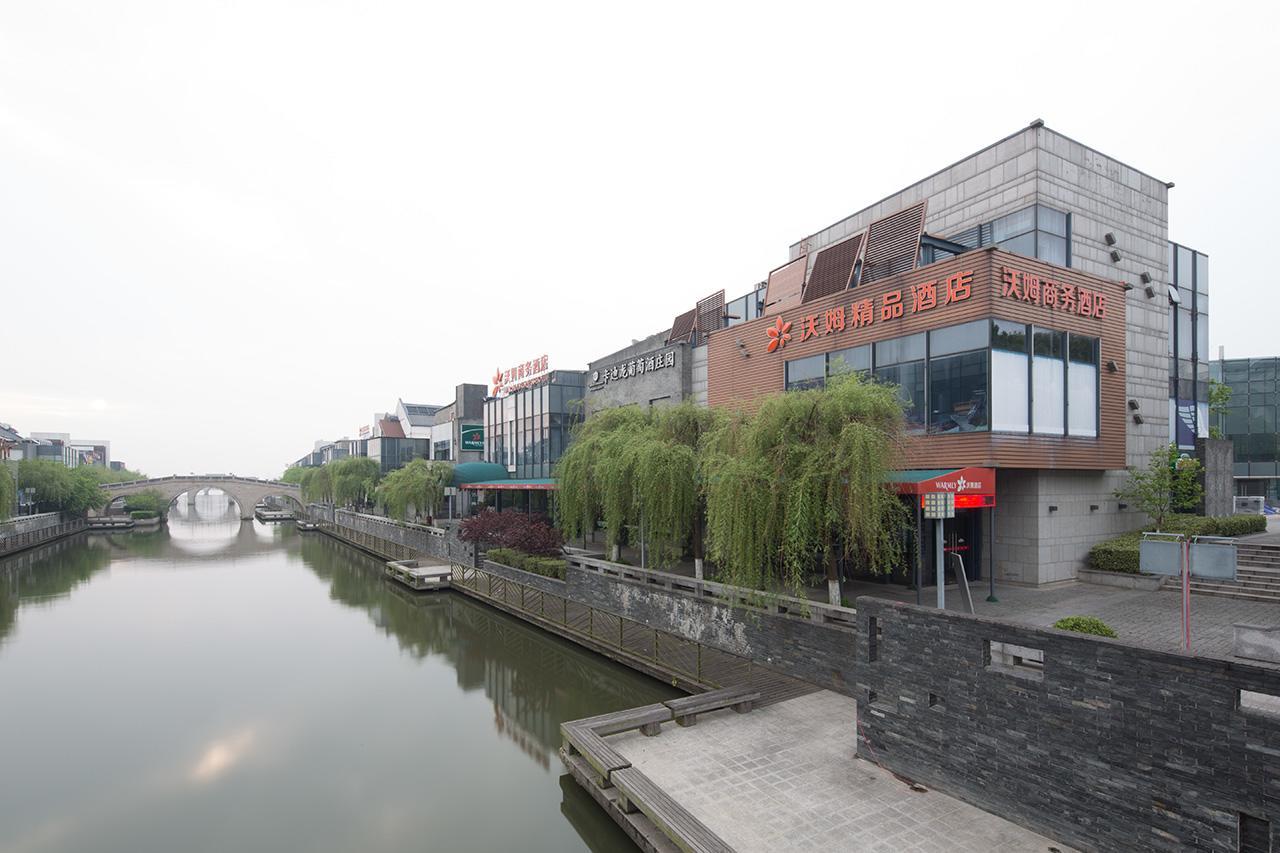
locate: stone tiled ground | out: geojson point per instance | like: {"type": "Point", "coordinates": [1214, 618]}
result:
{"type": "Point", "coordinates": [786, 777]}
{"type": "Point", "coordinates": [1149, 619]}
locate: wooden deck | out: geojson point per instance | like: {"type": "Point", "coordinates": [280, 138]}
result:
{"type": "Point", "coordinates": [420, 575]}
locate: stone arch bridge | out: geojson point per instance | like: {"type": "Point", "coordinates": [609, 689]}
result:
{"type": "Point", "coordinates": [247, 492]}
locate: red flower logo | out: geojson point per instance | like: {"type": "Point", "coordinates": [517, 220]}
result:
{"type": "Point", "coordinates": [779, 333]}
{"type": "Point", "coordinates": [497, 382]}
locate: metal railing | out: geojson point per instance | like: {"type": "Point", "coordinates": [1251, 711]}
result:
{"type": "Point", "coordinates": [785, 606]}
{"type": "Point", "coordinates": [686, 660]}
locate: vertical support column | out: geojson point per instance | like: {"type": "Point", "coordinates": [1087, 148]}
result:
{"type": "Point", "coordinates": [939, 526]}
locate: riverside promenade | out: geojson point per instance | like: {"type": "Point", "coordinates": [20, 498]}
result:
{"type": "Point", "coordinates": [787, 777]}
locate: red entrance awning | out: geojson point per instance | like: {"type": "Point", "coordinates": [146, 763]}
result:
{"type": "Point", "coordinates": [959, 481]}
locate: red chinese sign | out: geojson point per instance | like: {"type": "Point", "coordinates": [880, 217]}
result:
{"type": "Point", "coordinates": [1073, 299]}
{"type": "Point", "coordinates": [521, 376]}
{"type": "Point", "coordinates": [962, 481]}
{"type": "Point", "coordinates": [862, 313]}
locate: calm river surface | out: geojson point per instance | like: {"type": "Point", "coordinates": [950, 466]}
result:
{"type": "Point", "coordinates": [228, 686]}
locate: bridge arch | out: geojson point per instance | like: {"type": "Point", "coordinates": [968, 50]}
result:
{"type": "Point", "coordinates": [247, 492]}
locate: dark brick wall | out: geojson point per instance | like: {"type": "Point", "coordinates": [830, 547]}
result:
{"type": "Point", "coordinates": [1111, 748]}
{"type": "Point", "coordinates": [822, 654]}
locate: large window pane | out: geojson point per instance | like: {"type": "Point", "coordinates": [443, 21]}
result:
{"type": "Point", "coordinates": [1202, 336]}
{"type": "Point", "coordinates": [1082, 386]}
{"type": "Point", "coordinates": [1019, 222]}
{"type": "Point", "coordinates": [958, 392]}
{"type": "Point", "coordinates": [961, 338]}
{"type": "Point", "coordinates": [1202, 273]}
{"type": "Point", "coordinates": [1052, 221]}
{"type": "Point", "coordinates": [1184, 333]}
{"type": "Point", "coordinates": [1052, 249]}
{"type": "Point", "coordinates": [1008, 336]}
{"type": "Point", "coordinates": [1011, 395]}
{"type": "Point", "coordinates": [910, 381]}
{"type": "Point", "coordinates": [1048, 382]}
{"type": "Point", "coordinates": [909, 348]}
{"type": "Point", "coordinates": [1185, 271]}
{"type": "Point", "coordinates": [1024, 244]}
{"type": "Point", "coordinates": [808, 372]}
{"type": "Point", "coordinates": [845, 360]}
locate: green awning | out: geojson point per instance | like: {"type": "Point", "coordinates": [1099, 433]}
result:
{"type": "Point", "coordinates": [475, 472]}
{"type": "Point", "coordinates": [542, 484]}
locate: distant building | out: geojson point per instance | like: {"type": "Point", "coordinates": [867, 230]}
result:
{"type": "Point", "coordinates": [73, 452]}
{"type": "Point", "coordinates": [1250, 421]}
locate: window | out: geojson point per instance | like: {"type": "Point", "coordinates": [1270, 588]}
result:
{"type": "Point", "coordinates": [958, 392]}
{"type": "Point", "coordinates": [1010, 377]}
{"type": "Point", "coordinates": [1048, 382]}
{"type": "Point", "coordinates": [966, 336]}
{"type": "Point", "coordinates": [1036, 231]}
{"type": "Point", "coordinates": [899, 350]}
{"type": "Point", "coordinates": [909, 378]}
{"type": "Point", "coordinates": [808, 372]}
{"type": "Point", "coordinates": [1082, 386]}
{"type": "Point", "coordinates": [845, 360]}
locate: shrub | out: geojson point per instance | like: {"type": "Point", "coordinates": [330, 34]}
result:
{"type": "Point", "coordinates": [1085, 625]}
{"type": "Point", "coordinates": [551, 567]}
{"type": "Point", "coordinates": [512, 530]}
{"type": "Point", "coordinates": [1121, 554]}
{"type": "Point", "coordinates": [143, 514]}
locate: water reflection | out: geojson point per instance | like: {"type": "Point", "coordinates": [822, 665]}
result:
{"type": "Point", "coordinates": [208, 525]}
{"type": "Point", "coordinates": [277, 693]}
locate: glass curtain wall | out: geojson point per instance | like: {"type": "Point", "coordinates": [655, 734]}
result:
{"type": "Point", "coordinates": [984, 375]}
{"type": "Point", "coordinates": [527, 430]}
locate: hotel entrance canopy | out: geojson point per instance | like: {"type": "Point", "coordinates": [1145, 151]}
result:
{"type": "Point", "coordinates": [973, 487]}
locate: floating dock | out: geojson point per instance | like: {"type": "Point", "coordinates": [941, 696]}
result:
{"type": "Point", "coordinates": [110, 522]}
{"type": "Point", "coordinates": [269, 515]}
{"type": "Point", "coordinates": [306, 526]}
{"type": "Point", "coordinates": [420, 575]}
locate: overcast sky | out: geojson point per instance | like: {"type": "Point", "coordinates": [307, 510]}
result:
{"type": "Point", "coordinates": [229, 229]}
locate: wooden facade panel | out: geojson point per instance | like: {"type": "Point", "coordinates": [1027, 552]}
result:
{"type": "Point", "coordinates": [739, 375]}
{"type": "Point", "coordinates": [785, 286]}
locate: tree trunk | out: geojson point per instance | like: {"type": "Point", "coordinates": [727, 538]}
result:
{"type": "Point", "coordinates": [833, 580]}
{"type": "Point", "coordinates": [697, 542]}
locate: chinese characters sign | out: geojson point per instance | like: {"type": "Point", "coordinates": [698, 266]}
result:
{"type": "Point", "coordinates": [523, 375]}
{"type": "Point", "coordinates": [634, 367]}
{"type": "Point", "coordinates": [864, 313]}
{"type": "Point", "coordinates": [1073, 299]}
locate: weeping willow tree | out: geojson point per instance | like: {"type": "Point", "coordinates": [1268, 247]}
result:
{"type": "Point", "coordinates": [633, 469]}
{"type": "Point", "coordinates": [354, 480]}
{"type": "Point", "coordinates": [8, 492]}
{"type": "Point", "coordinates": [800, 482]}
{"type": "Point", "coordinates": [317, 485]}
{"type": "Point", "coordinates": [418, 486]}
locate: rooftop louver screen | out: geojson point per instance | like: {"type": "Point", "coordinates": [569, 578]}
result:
{"type": "Point", "coordinates": [785, 286]}
{"type": "Point", "coordinates": [893, 243]}
{"type": "Point", "coordinates": [682, 328]}
{"type": "Point", "coordinates": [833, 269]}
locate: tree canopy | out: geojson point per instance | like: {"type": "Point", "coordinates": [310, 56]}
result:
{"type": "Point", "coordinates": [801, 481]}
{"type": "Point", "coordinates": [354, 480]}
{"type": "Point", "coordinates": [419, 486]}
{"type": "Point", "coordinates": [1168, 484]}
{"type": "Point", "coordinates": [294, 474]}
{"type": "Point", "coordinates": [8, 493]}
{"type": "Point", "coordinates": [628, 467]}
{"type": "Point", "coordinates": [59, 488]}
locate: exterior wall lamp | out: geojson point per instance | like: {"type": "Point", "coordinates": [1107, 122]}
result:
{"type": "Point", "coordinates": [742, 348]}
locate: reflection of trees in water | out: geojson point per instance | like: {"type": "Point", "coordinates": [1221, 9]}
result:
{"type": "Point", "coordinates": [48, 572]}
{"type": "Point", "coordinates": [534, 680]}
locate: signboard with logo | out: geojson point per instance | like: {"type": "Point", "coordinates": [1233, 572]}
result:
{"type": "Point", "coordinates": [638, 366]}
{"type": "Point", "coordinates": [525, 374]}
{"type": "Point", "coordinates": [472, 436]}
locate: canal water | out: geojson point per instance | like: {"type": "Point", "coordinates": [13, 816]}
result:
{"type": "Point", "coordinates": [229, 686]}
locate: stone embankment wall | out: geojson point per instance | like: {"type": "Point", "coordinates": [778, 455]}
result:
{"type": "Point", "coordinates": [27, 531]}
{"type": "Point", "coordinates": [806, 640]}
{"type": "Point", "coordinates": [437, 542]}
{"type": "Point", "coordinates": [1100, 744]}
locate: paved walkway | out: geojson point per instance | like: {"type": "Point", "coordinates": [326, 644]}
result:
{"type": "Point", "coordinates": [1149, 619]}
{"type": "Point", "coordinates": [785, 777]}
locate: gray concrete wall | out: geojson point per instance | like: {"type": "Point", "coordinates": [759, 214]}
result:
{"type": "Point", "coordinates": [435, 542]}
{"type": "Point", "coordinates": [673, 383]}
{"type": "Point", "coordinates": [29, 524]}
{"type": "Point", "coordinates": [1108, 747]}
{"type": "Point", "coordinates": [795, 645]}
{"type": "Point", "coordinates": [1217, 456]}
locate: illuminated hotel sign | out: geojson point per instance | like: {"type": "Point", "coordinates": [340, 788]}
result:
{"type": "Point", "coordinates": [634, 367]}
{"type": "Point", "coordinates": [523, 375]}
{"type": "Point", "coordinates": [863, 313]}
{"type": "Point", "coordinates": [1029, 287]}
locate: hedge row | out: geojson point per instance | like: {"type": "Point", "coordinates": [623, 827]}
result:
{"type": "Point", "coordinates": [1121, 554]}
{"type": "Point", "coordinates": [143, 514]}
{"type": "Point", "coordinates": [549, 567]}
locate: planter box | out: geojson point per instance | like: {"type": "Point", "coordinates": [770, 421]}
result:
{"type": "Point", "coordinates": [1121, 580]}
{"type": "Point", "coordinates": [1257, 642]}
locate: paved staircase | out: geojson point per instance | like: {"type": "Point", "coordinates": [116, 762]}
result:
{"type": "Point", "coordinates": [1257, 573]}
